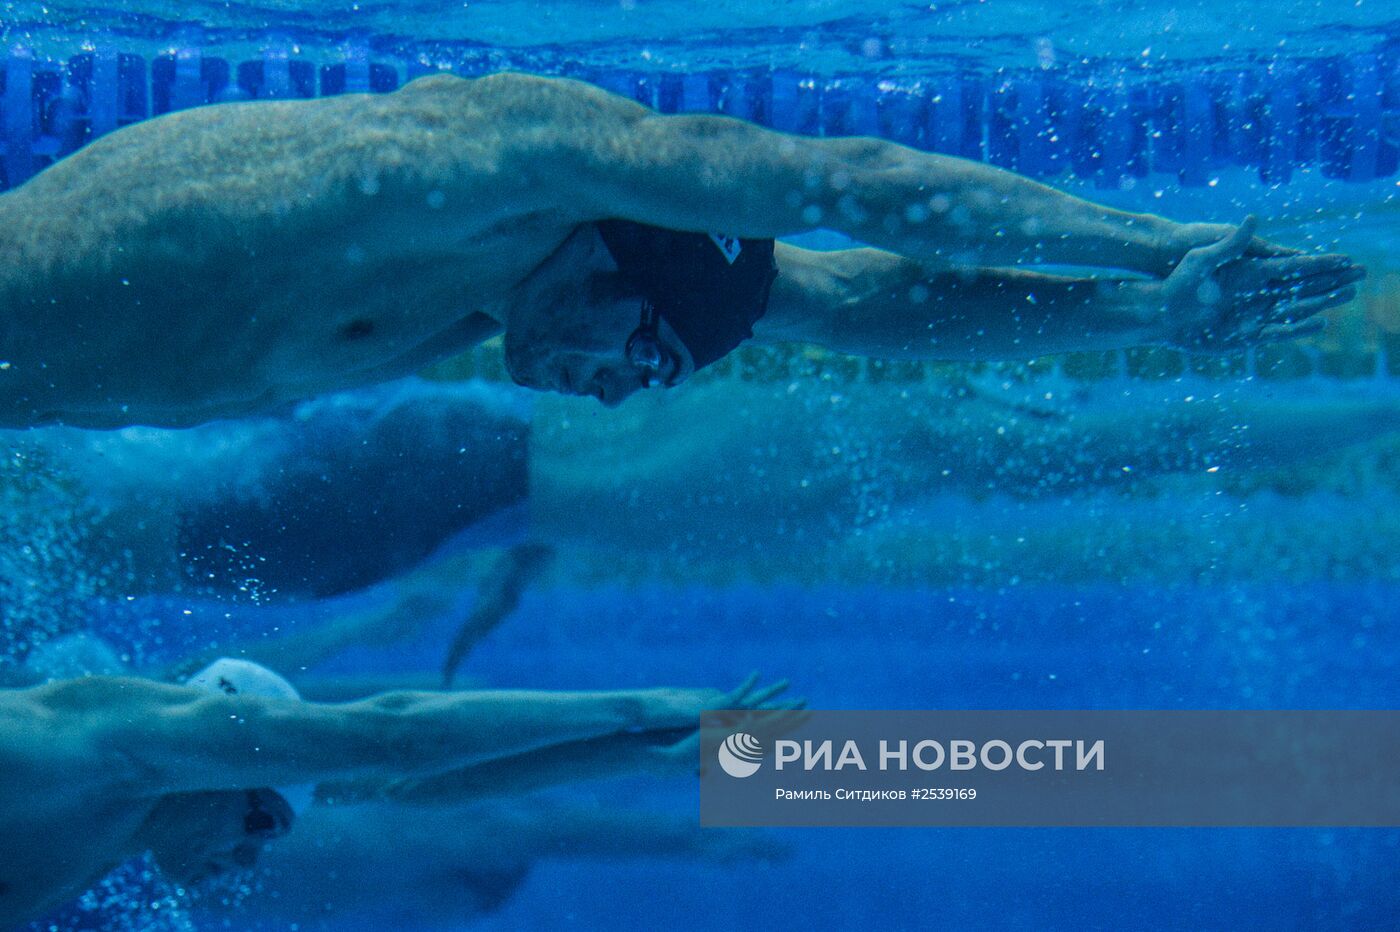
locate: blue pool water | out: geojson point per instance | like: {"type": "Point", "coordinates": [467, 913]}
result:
{"type": "Point", "coordinates": [1018, 537]}
{"type": "Point", "coordinates": [1319, 645]}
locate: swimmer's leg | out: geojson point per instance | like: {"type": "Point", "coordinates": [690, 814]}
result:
{"type": "Point", "coordinates": [500, 594]}
{"type": "Point", "coordinates": [577, 832]}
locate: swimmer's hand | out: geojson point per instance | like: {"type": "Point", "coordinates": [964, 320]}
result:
{"type": "Point", "coordinates": [1225, 296]}
{"type": "Point", "coordinates": [682, 755]}
{"type": "Point", "coordinates": [1181, 238]}
{"type": "Point", "coordinates": [750, 696]}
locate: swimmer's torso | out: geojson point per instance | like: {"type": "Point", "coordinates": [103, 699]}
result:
{"type": "Point", "coordinates": [254, 253]}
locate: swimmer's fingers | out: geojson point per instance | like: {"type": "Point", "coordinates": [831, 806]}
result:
{"type": "Point", "coordinates": [1323, 283]}
{"type": "Point", "coordinates": [796, 718]}
{"type": "Point", "coordinates": [1225, 250]}
{"type": "Point", "coordinates": [1289, 321]}
{"type": "Point", "coordinates": [1304, 285]}
{"type": "Point", "coordinates": [735, 699]}
{"type": "Point", "coordinates": [1280, 333]}
{"type": "Point", "coordinates": [1186, 238]}
{"type": "Point", "coordinates": [1264, 299]}
{"type": "Point", "coordinates": [787, 705]}
{"type": "Point", "coordinates": [1290, 271]}
{"type": "Point", "coordinates": [786, 721]}
{"type": "Point", "coordinates": [1267, 249]}
{"type": "Point", "coordinates": [1299, 264]}
{"type": "Point", "coordinates": [778, 719]}
{"type": "Point", "coordinates": [762, 697]}
{"type": "Point", "coordinates": [1292, 312]}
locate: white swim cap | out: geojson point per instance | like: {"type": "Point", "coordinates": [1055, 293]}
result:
{"type": "Point", "coordinates": [245, 678]}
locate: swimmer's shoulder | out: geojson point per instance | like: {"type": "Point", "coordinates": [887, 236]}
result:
{"type": "Point", "coordinates": [531, 113]}
{"type": "Point", "coordinates": [61, 727]}
{"type": "Point", "coordinates": [99, 704]}
{"type": "Point", "coordinates": [523, 94]}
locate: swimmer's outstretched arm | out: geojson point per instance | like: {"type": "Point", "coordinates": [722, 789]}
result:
{"type": "Point", "coordinates": [699, 172]}
{"type": "Point", "coordinates": [874, 303]}
{"type": "Point", "coordinates": [175, 738]}
{"type": "Point", "coordinates": [556, 765]}
{"type": "Point", "coordinates": [596, 759]}
{"type": "Point", "coordinates": [663, 752]}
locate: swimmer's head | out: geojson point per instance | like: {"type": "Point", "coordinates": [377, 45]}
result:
{"type": "Point", "coordinates": [198, 836]}
{"type": "Point", "coordinates": [195, 836]}
{"type": "Point", "coordinates": [568, 327]}
{"type": "Point", "coordinates": [621, 306]}
{"type": "Point", "coordinates": [234, 677]}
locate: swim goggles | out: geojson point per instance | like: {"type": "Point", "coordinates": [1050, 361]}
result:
{"type": "Point", "coordinates": [648, 353]}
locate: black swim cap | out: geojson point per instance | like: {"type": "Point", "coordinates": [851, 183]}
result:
{"type": "Point", "coordinates": [710, 288]}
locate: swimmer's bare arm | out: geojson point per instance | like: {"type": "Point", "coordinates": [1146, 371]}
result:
{"type": "Point", "coordinates": [177, 738]}
{"type": "Point", "coordinates": [700, 172]}
{"type": "Point", "coordinates": [556, 765]}
{"type": "Point", "coordinates": [874, 303]}
{"type": "Point", "coordinates": [666, 752]}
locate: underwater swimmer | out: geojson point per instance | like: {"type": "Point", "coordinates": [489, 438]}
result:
{"type": "Point", "coordinates": [447, 866]}
{"type": "Point", "coordinates": [100, 769]}
{"type": "Point", "coordinates": [224, 260]}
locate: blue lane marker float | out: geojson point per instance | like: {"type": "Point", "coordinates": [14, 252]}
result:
{"type": "Point", "coordinates": [849, 107]}
{"type": "Point", "coordinates": [1339, 115]}
{"type": "Point", "coordinates": [1019, 129]}
{"type": "Point", "coordinates": [1365, 97]}
{"type": "Point", "coordinates": [622, 83]}
{"type": "Point", "coordinates": [1281, 117]}
{"type": "Point", "coordinates": [748, 96]}
{"type": "Point", "coordinates": [902, 113]}
{"type": "Point", "coordinates": [796, 104]}
{"type": "Point", "coordinates": [357, 74]}
{"type": "Point", "coordinates": [1166, 130]}
{"type": "Point", "coordinates": [1197, 131]}
{"type": "Point", "coordinates": [18, 120]}
{"type": "Point", "coordinates": [1358, 102]}
{"type": "Point", "coordinates": [955, 118]}
{"type": "Point", "coordinates": [1118, 140]}
{"type": "Point", "coordinates": [186, 78]}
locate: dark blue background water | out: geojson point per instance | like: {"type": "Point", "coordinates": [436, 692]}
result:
{"type": "Point", "coordinates": [1310, 646]}
{"type": "Point", "coordinates": [1105, 648]}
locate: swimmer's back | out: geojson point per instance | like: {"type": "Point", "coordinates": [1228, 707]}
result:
{"type": "Point", "coordinates": [221, 259]}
